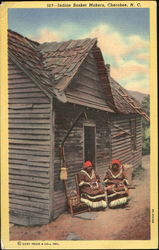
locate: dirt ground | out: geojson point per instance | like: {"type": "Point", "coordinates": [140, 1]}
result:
{"type": "Point", "coordinates": [130, 223]}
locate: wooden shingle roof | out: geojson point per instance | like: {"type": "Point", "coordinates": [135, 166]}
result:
{"type": "Point", "coordinates": [124, 102]}
{"type": "Point", "coordinates": [25, 54]}
{"type": "Point", "coordinates": [61, 60]}
{"type": "Point", "coordinates": [53, 65]}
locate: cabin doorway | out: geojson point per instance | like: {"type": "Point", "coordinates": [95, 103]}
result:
{"type": "Point", "coordinates": [89, 143]}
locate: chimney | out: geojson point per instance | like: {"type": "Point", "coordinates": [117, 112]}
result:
{"type": "Point", "coordinates": [108, 69]}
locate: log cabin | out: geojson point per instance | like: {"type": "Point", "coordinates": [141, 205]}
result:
{"type": "Point", "coordinates": [62, 94]}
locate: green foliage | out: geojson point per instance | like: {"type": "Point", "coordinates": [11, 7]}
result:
{"type": "Point", "coordinates": [146, 126]}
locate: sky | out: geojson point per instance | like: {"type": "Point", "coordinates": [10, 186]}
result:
{"type": "Point", "coordinates": [122, 34]}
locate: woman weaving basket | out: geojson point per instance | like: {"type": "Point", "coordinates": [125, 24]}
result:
{"type": "Point", "coordinates": [116, 185]}
{"type": "Point", "coordinates": [92, 192]}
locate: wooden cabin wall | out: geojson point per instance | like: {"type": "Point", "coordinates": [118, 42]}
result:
{"type": "Point", "coordinates": [121, 144]}
{"type": "Point", "coordinates": [29, 150]}
{"type": "Point", "coordinates": [86, 87]}
{"type": "Point", "coordinates": [64, 117]}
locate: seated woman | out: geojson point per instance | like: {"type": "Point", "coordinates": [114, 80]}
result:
{"type": "Point", "coordinates": [116, 185]}
{"type": "Point", "coordinates": [92, 192]}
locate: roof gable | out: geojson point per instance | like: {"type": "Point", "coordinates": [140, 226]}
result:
{"type": "Point", "coordinates": [86, 87]}
{"type": "Point", "coordinates": [62, 60]}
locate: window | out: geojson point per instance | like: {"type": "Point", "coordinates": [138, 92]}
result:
{"type": "Point", "coordinates": [133, 133]}
{"type": "Point", "coordinates": [89, 143]}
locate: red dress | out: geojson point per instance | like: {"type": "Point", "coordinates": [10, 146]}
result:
{"type": "Point", "coordinates": [117, 191]}
{"type": "Point", "coordinates": [92, 192]}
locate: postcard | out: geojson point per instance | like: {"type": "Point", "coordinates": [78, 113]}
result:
{"type": "Point", "coordinates": [79, 125]}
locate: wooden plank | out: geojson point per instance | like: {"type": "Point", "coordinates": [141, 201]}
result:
{"type": "Point", "coordinates": [34, 106]}
{"type": "Point", "coordinates": [23, 162]}
{"type": "Point", "coordinates": [22, 107]}
{"type": "Point", "coordinates": [29, 137]}
{"type": "Point", "coordinates": [29, 204]}
{"type": "Point", "coordinates": [29, 172]}
{"type": "Point", "coordinates": [87, 82]}
{"type": "Point", "coordinates": [30, 147]}
{"type": "Point", "coordinates": [29, 158]}
{"type": "Point", "coordinates": [121, 140]}
{"type": "Point", "coordinates": [85, 96]}
{"type": "Point", "coordinates": [27, 188]}
{"type": "Point", "coordinates": [120, 155]}
{"type": "Point", "coordinates": [20, 84]}
{"type": "Point", "coordinates": [29, 142]}
{"type": "Point", "coordinates": [38, 200]}
{"type": "Point", "coordinates": [121, 145]}
{"type": "Point", "coordinates": [38, 164]}
{"type": "Point", "coordinates": [13, 71]}
{"type": "Point", "coordinates": [29, 100]}
{"type": "Point", "coordinates": [29, 163]}
{"type": "Point", "coordinates": [88, 73]}
{"type": "Point", "coordinates": [28, 152]}
{"type": "Point", "coordinates": [29, 116]}
{"type": "Point", "coordinates": [83, 90]}
{"type": "Point", "coordinates": [26, 90]}
{"type": "Point", "coordinates": [87, 103]}
{"type": "Point", "coordinates": [41, 106]}
{"type": "Point", "coordinates": [125, 159]}
{"type": "Point", "coordinates": [29, 111]}
{"type": "Point", "coordinates": [29, 193]}
{"type": "Point", "coordinates": [29, 131]}
{"type": "Point", "coordinates": [29, 168]}
{"type": "Point", "coordinates": [88, 88]}
{"type": "Point", "coordinates": [16, 76]}
{"type": "Point", "coordinates": [30, 179]}
{"type": "Point", "coordinates": [20, 120]}
{"type": "Point", "coordinates": [28, 126]}
{"type": "Point", "coordinates": [38, 94]}
{"type": "Point", "coordinates": [122, 150]}
{"type": "Point", "coordinates": [29, 211]}
{"type": "Point", "coordinates": [26, 183]}
{"type": "Point", "coordinates": [26, 220]}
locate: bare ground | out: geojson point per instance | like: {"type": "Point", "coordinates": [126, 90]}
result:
{"type": "Point", "coordinates": [130, 223]}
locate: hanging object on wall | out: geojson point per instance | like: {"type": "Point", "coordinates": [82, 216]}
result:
{"type": "Point", "coordinates": [63, 174]}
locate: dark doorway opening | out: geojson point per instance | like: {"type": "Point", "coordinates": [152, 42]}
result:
{"type": "Point", "coordinates": [89, 143]}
